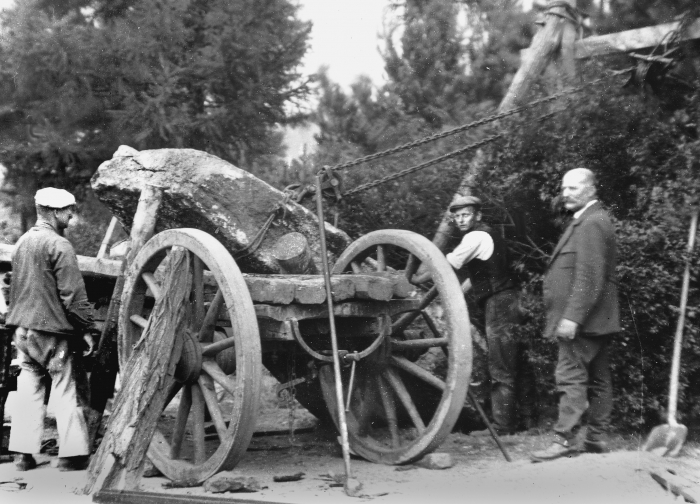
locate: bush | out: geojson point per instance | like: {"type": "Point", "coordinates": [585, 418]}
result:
{"type": "Point", "coordinates": [646, 154]}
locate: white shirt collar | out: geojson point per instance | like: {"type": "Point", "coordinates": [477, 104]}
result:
{"type": "Point", "coordinates": [578, 213]}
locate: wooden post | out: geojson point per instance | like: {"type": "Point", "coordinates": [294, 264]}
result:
{"type": "Point", "coordinates": [148, 377]}
{"type": "Point", "coordinates": [104, 373]}
{"type": "Point", "coordinates": [107, 238]}
{"type": "Point", "coordinates": [545, 47]}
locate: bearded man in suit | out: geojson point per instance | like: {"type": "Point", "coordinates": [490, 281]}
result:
{"type": "Point", "coordinates": [581, 301]}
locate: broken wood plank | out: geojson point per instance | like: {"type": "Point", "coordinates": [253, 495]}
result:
{"type": "Point", "coordinates": [104, 376]}
{"type": "Point", "coordinates": [631, 40]}
{"type": "Point", "coordinates": [119, 461]}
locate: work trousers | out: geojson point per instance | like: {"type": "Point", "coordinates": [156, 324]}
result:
{"type": "Point", "coordinates": [497, 318]}
{"type": "Point", "coordinates": [584, 385]}
{"type": "Point", "coordinates": [40, 353]}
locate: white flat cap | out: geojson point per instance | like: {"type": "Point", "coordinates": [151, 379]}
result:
{"type": "Point", "coordinates": [54, 198]}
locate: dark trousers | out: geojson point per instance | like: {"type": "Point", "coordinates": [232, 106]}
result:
{"type": "Point", "coordinates": [497, 317]}
{"type": "Point", "coordinates": [584, 385]}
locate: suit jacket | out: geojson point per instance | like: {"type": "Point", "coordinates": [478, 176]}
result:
{"type": "Point", "coordinates": [580, 283]}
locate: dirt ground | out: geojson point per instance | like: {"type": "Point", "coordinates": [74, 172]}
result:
{"type": "Point", "coordinates": [480, 474]}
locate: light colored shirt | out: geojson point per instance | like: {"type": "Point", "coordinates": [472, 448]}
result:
{"type": "Point", "coordinates": [474, 245]}
{"type": "Point", "coordinates": [579, 212]}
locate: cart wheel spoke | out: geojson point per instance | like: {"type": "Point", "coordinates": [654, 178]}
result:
{"type": "Point", "coordinates": [431, 324]}
{"type": "Point", "coordinates": [407, 318]}
{"type": "Point", "coordinates": [214, 348]}
{"type": "Point", "coordinates": [212, 369]}
{"type": "Point", "coordinates": [200, 452]}
{"type": "Point", "coordinates": [209, 323]}
{"type": "Point", "coordinates": [381, 258]}
{"type": "Point", "coordinates": [402, 393]}
{"type": "Point", "coordinates": [356, 268]}
{"type": "Point", "coordinates": [411, 266]}
{"type": "Point", "coordinates": [183, 412]}
{"type": "Point", "coordinates": [390, 410]}
{"type": "Point", "coordinates": [197, 291]}
{"type": "Point", "coordinates": [418, 372]}
{"type": "Point", "coordinates": [207, 387]}
{"type": "Point", "coordinates": [153, 285]}
{"type": "Point", "coordinates": [139, 321]}
{"type": "Point", "coordinates": [174, 388]}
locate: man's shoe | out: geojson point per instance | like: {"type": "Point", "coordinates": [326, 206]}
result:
{"type": "Point", "coordinates": [77, 463]}
{"type": "Point", "coordinates": [25, 462]}
{"type": "Point", "coordinates": [559, 448]}
{"type": "Point", "coordinates": [595, 446]}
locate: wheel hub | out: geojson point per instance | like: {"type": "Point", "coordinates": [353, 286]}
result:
{"type": "Point", "coordinates": [189, 367]}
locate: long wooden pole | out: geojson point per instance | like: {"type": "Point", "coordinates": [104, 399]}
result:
{"type": "Point", "coordinates": [545, 47]}
{"type": "Point", "coordinates": [342, 423]}
{"type": "Point", "coordinates": [104, 374]}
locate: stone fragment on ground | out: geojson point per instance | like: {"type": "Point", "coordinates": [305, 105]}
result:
{"type": "Point", "coordinates": [436, 461]}
{"type": "Point", "coordinates": [228, 482]}
{"type": "Point", "coordinates": [284, 478]}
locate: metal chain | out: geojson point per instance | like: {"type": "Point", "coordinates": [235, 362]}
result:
{"type": "Point", "coordinates": [260, 235]}
{"type": "Point", "coordinates": [471, 125]}
{"type": "Point", "coordinates": [434, 161]}
{"type": "Point", "coordinates": [291, 393]}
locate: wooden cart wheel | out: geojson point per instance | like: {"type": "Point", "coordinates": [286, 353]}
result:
{"type": "Point", "coordinates": [211, 409]}
{"type": "Point", "coordinates": [407, 395]}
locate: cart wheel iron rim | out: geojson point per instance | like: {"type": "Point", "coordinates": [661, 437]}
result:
{"type": "Point", "coordinates": [384, 421]}
{"type": "Point", "coordinates": [219, 373]}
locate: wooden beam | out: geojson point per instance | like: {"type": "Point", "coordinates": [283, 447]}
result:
{"type": "Point", "coordinates": [543, 49]}
{"type": "Point", "coordinates": [89, 266]}
{"type": "Point", "coordinates": [631, 40]}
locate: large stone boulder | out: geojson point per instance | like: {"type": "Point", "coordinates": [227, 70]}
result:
{"type": "Point", "coordinates": [205, 192]}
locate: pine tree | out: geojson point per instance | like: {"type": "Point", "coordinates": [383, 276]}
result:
{"type": "Point", "coordinates": [80, 77]}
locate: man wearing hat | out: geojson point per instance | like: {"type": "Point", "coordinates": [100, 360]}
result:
{"type": "Point", "coordinates": [482, 256]}
{"type": "Point", "coordinates": [50, 313]}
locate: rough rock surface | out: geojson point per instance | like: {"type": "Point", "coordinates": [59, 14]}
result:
{"type": "Point", "coordinates": [205, 192]}
{"type": "Point", "coordinates": [436, 461]}
{"type": "Point", "coordinates": [228, 482]}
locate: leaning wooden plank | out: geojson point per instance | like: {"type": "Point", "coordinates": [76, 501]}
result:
{"type": "Point", "coordinates": [631, 40]}
{"type": "Point", "coordinates": [102, 379]}
{"type": "Point", "coordinates": [205, 192]}
{"type": "Point", "coordinates": [118, 463]}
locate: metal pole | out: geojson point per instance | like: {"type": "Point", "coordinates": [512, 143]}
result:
{"type": "Point", "coordinates": [334, 340]}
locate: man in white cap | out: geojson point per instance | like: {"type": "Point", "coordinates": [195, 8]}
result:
{"type": "Point", "coordinates": [51, 315]}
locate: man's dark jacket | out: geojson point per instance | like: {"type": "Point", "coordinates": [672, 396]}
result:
{"type": "Point", "coordinates": [580, 282]}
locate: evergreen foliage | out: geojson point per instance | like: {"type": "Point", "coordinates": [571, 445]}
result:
{"type": "Point", "coordinates": [643, 143]}
{"type": "Point", "coordinates": [79, 78]}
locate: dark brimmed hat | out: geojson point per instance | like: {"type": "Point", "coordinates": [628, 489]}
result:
{"type": "Point", "coordinates": [465, 201]}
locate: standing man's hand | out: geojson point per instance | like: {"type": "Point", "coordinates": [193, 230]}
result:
{"type": "Point", "coordinates": [90, 342]}
{"type": "Point", "coordinates": [566, 329]}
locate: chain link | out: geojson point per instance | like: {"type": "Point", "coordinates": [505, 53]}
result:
{"type": "Point", "coordinates": [437, 160]}
{"type": "Point", "coordinates": [291, 394]}
{"type": "Point", "coordinates": [471, 125]}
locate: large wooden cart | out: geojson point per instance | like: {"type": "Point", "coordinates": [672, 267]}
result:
{"type": "Point", "coordinates": [406, 351]}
